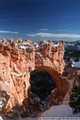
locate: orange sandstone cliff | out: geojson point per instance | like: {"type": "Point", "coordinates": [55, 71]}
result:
{"type": "Point", "coordinates": [17, 59]}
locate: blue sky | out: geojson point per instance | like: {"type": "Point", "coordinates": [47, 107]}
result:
{"type": "Point", "coordinates": [40, 19]}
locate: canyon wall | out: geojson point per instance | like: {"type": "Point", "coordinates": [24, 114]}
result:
{"type": "Point", "coordinates": [17, 59]}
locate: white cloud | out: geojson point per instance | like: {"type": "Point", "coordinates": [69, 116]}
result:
{"type": "Point", "coordinates": [4, 31]}
{"type": "Point", "coordinates": [52, 35]}
{"type": "Point", "coordinates": [62, 30]}
{"type": "Point", "coordinates": [44, 29]}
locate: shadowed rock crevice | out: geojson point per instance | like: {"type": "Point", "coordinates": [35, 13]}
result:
{"type": "Point", "coordinates": [41, 86]}
{"type": "Point", "coordinates": [4, 97]}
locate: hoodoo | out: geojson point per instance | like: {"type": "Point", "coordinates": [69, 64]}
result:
{"type": "Point", "coordinates": [17, 59]}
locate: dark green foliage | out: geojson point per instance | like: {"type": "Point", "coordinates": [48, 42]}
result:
{"type": "Point", "coordinates": [72, 53]}
{"type": "Point", "coordinates": [41, 84]}
{"type": "Point", "coordinates": [75, 96]}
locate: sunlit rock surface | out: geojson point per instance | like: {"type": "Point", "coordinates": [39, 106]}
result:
{"type": "Point", "coordinates": [18, 58]}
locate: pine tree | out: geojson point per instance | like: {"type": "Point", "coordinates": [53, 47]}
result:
{"type": "Point", "coordinates": [75, 95]}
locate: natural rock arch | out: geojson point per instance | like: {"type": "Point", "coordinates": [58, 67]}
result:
{"type": "Point", "coordinates": [18, 58]}
{"type": "Point", "coordinates": [62, 87]}
{"type": "Point", "coordinates": [42, 83]}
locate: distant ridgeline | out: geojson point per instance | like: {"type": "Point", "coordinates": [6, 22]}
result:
{"type": "Point", "coordinates": [72, 49]}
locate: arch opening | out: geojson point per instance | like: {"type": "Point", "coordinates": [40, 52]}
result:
{"type": "Point", "coordinates": [42, 84]}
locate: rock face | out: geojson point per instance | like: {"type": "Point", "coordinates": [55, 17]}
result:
{"type": "Point", "coordinates": [18, 58]}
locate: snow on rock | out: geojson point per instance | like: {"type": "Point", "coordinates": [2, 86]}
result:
{"type": "Point", "coordinates": [56, 44]}
{"type": "Point", "coordinates": [75, 115]}
{"type": "Point", "coordinates": [26, 43]}
{"type": "Point", "coordinates": [24, 47]}
{"type": "Point", "coordinates": [29, 118]}
{"type": "Point", "coordinates": [38, 53]}
{"type": "Point", "coordinates": [18, 74]}
{"type": "Point", "coordinates": [7, 82]}
{"type": "Point", "coordinates": [1, 102]}
{"type": "Point", "coordinates": [76, 64]}
{"type": "Point", "coordinates": [36, 45]}
{"type": "Point", "coordinates": [58, 111]}
{"type": "Point", "coordinates": [1, 118]}
{"type": "Point", "coordinates": [55, 112]}
{"type": "Point", "coordinates": [45, 42]}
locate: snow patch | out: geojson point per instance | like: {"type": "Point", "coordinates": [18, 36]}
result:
{"type": "Point", "coordinates": [26, 43]}
{"type": "Point", "coordinates": [35, 45]}
{"type": "Point", "coordinates": [1, 118]}
{"type": "Point", "coordinates": [29, 118]}
{"type": "Point", "coordinates": [24, 47]}
{"type": "Point", "coordinates": [58, 111]}
{"type": "Point", "coordinates": [0, 106]}
{"type": "Point", "coordinates": [18, 74]}
{"type": "Point", "coordinates": [39, 53]}
{"type": "Point", "coordinates": [56, 44]}
{"type": "Point", "coordinates": [76, 115]}
{"type": "Point", "coordinates": [76, 64]}
{"type": "Point", "coordinates": [8, 93]}
{"type": "Point", "coordinates": [45, 42]}
{"type": "Point", "coordinates": [1, 102]}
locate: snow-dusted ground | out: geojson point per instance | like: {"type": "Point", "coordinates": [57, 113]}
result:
{"type": "Point", "coordinates": [75, 115]}
{"type": "Point", "coordinates": [1, 118]}
{"type": "Point", "coordinates": [76, 64]}
{"type": "Point", "coordinates": [58, 111]}
{"type": "Point", "coordinates": [55, 112]}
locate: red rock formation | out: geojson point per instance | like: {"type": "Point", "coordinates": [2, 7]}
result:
{"type": "Point", "coordinates": [18, 58]}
